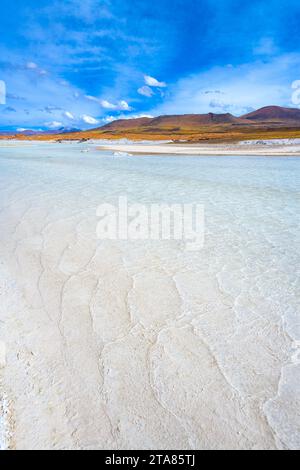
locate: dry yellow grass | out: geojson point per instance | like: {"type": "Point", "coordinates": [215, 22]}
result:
{"type": "Point", "coordinates": [202, 134]}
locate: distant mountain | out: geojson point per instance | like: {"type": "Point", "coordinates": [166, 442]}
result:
{"type": "Point", "coordinates": [188, 121]}
{"type": "Point", "coordinates": [268, 122]}
{"type": "Point", "coordinates": [274, 114]}
{"type": "Point", "coordinates": [32, 132]}
{"type": "Point", "coordinates": [66, 130]}
{"type": "Point", "coordinates": [191, 120]}
{"type": "Point", "coordinates": [125, 124]}
{"type": "Point", "coordinates": [28, 132]}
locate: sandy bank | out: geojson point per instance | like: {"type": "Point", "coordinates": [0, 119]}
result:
{"type": "Point", "coordinates": [263, 148]}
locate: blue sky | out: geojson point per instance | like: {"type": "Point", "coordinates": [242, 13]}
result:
{"type": "Point", "coordinates": [82, 64]}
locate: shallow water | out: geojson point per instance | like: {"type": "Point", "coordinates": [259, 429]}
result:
{"type": "Point", "coordinates": [132, 344]}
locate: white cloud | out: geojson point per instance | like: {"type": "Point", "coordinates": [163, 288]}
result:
{"type": "Point", "coordinates": [109, 119]}
{"type": "Point", "coordinates": [2, 92]}
{"type": "Point", "coordinates": [146, 91]}
{"type": "Point", "coordinates": [31, 66]}
{"type": "Point", "coordinates": [238, 90]}
{"type": "Point", "coordinates": [136, 116]}
{"type": "Point", "coordinates": [151, 81]}
{"type": "Point", "coordinates": [89, 119]}
{"type": "Point", "coordinates": [54, 124]}
{"type": "Point", "coordinates": [107, 105]}
{"type": "Point", "coordinates": [42, 95]}
{"type": "Point", "coordinates": [119, 106]}
{"type": "Point", "coordinates": [69, 115]}
{"type": "Point", "coordinates": [93, 98]}
{"type": "Point", "coordinates": [123, 105]}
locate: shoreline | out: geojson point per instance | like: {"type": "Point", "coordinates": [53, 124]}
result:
{"type": "Point", "coordinates": [266, 148]}
{"type": "Point", "coordinates": [269, 149]}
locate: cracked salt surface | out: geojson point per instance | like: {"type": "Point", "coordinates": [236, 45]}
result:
{"type": "Point", "coordinates": [128, 345]}
{"type": "Point", "coordinates": [8, 301]}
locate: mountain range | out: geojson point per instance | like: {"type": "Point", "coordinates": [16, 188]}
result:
{"type": "Point", "coordinates": [267, 115]}
{"type": "Point", "coordinates": [32, 132]}
{"type": "Point", "coordinates": [267, 122]}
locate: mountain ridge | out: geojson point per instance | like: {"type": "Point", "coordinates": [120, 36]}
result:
{"type": "Point", "coordinates": [270, 122]}
{"type": "Point", "coordinates": [267, 114]}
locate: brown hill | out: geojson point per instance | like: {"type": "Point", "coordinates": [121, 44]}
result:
{"type": "Point", "coordinates": [125, 124]}
{"type": "Point", "coordinates": [271, 114]}
{"type": "Point", "coordinates": [193, 120]}
{"type": "Point", "coordinates": [267, 115]}
{"type": "Point", "coordinates": [270, 122]}
{"type": "Point", "coordinates": [183, 121]}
